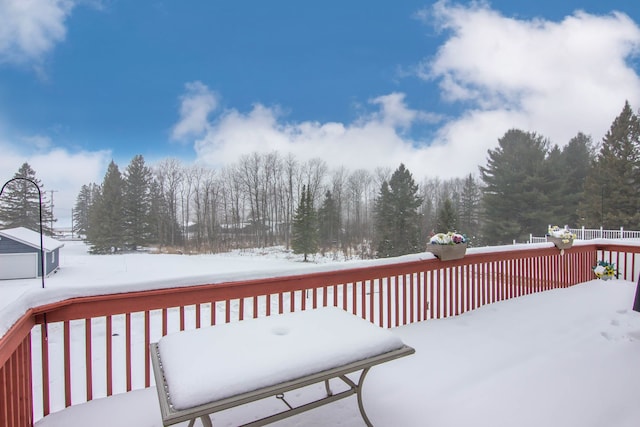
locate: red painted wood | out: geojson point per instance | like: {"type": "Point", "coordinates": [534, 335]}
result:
{"type": "Point", "coordinates": [401, 290]}
{"type": "Point", "coordinates": [380, 305]}
{"type": "Point", "coordinates": [67, 363]}
{"type": "Point", "coordinates": [431, 302]}
{"type": "Point", "coordinates": [127, 344]}
{"type": "Point", "coordinates": [44, 344]}
{"type": "Point", "coordinates": [241, 309]}
{"type": "Point", "coordinates": [88, 360]}
{"type": "Point", "coordinates": [371, 284]}
{"type": "Point", "coordinates": [109, 355]}
{"type": "Point", "coordinates": [147, 342]}
{"type": "Point", "coordinates": [396, 305]}
{"type": "Point", "coordinates": [11, 390]}
{"type": "Point", "coordinates": [5, 396]}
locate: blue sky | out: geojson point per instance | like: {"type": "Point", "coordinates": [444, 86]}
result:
{"type": "Point", "coordinates": [430, 84]}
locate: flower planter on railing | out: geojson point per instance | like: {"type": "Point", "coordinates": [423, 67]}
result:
{"type": "Point", "coordinates": [562, 238]}
{"type": "Point", "coordinates": [447, 246]}
{"type": "Point", "coordinates": [448, 252]}
{"type": "Point", "coordinates": [560, 243]}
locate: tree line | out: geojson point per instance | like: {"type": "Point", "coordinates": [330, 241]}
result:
{"type": "Point", "coordinates": [272, 199]}
{"type": "Point", "coordinates": [252, 203]}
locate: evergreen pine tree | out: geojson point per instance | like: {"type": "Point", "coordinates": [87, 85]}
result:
{"type": "Point", "coordinates": [612, 185]}
{"type": "Point", "coordinates": [385, 222]}
{"type": "Point", "coordinates": [328, 222]}
{"type": "Point", "coordinates": [137, 203]}
{"type": "Point", "coordinates": [574, 163]}
{"type": "Point", "coordinates": [396, 215]}
{"type": "Point", "coordinates": [20, 203]}
{"type": "Point", "coordinates": [159, 218]}
{"type": "Point", "coordinates": [106, 227]}
{"type": "Point", "coordinates": [470, 205]}
{"type": "Point", "coordinates": [81, 210]}
{"type": "Point", "coordinates": [305, 227]}
{"type": "Point", "coordinates": [515, 196]}
{"type": "Point", "coordinates": [447, 218]}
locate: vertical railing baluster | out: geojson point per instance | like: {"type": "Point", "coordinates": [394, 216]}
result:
{"type": "Point", "coordinates": [372, 293]}
{"type": "Point", "coordinates": [88, 359]}
{"type": "Point", "coordinates": [432, 298]}
{"type": "Point", "coordinates": [44, 345]}
{"type": "Point", "coordinates": [268, 304]}
{"type": "Point", "coordinates": [198, 314]}
{"type": "Point", "coordinates": [67, 363]}
{"type": "Point", "coordinates": [127, 351]}
{"type": "Point", "coordinates": [380, 303]}
{"type": "Point", "coordinates": [109, 356]}
{"type": "Point", "coordinates": [363, 298]}
{"type": "Point", "coordinates": [147, 342]}
{"type": "Point", "coordinates": [406, 300]}
{"type": "Point", "coordinates": [165, 321]}
{"type": "Point", "coordinates": [354, 298]}
{"type": "Point", "coordinates": [389, 302]}
{"type": "Point", "coordinates": [12, 412]}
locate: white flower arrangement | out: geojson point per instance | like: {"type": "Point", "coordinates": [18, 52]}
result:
{"type": "Point", "coordinates": [448, 246]}
{"type": "Point", "coordinates": [450, 238]}
{"type": "Point", "coordinates": [561, 233]}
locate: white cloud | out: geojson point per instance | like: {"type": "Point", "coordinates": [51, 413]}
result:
{"type": "Point", "coordinates": [369, 142]}
{"type": "Point", "coordinates": [395, 113]}
{"type": "Point", "coordinates": [195, 106]}
{"type": "Point", "coordinates": [29, 29]}
{"type": "Point", "coordinates": [554, 78]}
{"type": "Point", "coordinates": [57, 169]}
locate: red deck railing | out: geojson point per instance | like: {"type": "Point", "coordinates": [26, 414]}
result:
{"type": "Point", "coordinates": [97, 346]}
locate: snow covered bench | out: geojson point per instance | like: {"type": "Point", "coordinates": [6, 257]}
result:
{"type": "Point", "coordinates": [203, 371]}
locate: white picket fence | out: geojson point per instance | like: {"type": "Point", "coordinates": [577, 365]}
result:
{"type": "Point", "coordinates": [594, 233]}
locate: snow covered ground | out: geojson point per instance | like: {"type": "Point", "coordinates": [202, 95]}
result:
{"type": "Point", "coordinates": [567, 357]}
{"type": "Point", "coordinates": [83, 274]}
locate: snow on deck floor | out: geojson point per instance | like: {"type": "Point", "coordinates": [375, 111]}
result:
{"type": "Point", "coordinates": [568, 357]}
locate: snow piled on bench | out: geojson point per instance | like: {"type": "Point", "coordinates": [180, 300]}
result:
{"type": "Point", "coordinates": [213, 363]}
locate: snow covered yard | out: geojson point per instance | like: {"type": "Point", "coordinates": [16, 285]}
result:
{"type": "Point", "coordinates": [567, 357]}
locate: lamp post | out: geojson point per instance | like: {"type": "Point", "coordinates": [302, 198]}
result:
{"type": "Point", "coordinates": [40, 211]}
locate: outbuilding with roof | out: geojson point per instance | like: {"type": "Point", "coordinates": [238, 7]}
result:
{"type": "Point", "coordinates": [20, 254]}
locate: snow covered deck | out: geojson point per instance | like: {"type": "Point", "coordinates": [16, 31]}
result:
{"type": "Point", "coordinates": [566, 357]}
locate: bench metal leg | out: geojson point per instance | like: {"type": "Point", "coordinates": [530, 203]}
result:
{"type": "Point", "coordinates": [206, 421]}
{"type": "Point", "coordinates": [359, 393]}
{"type": "Point", "coordinates": [328, 388]}
{"type": "Point", "coordinates": [357, 389]}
